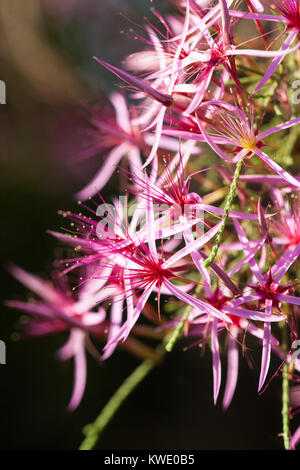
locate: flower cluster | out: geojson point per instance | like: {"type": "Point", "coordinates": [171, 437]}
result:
{"type": "Point", "coordinates": [204, 243]}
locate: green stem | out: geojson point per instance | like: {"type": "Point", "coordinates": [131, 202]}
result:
{"type": "Point", "coordinates": [228, 204]}
{"type": "Point", "coordinates": [285, 406]}
{"type": "Point", "coordinates": [285, 412]}
{"type": "Point", "coordinates": [95, 429]}
{"type": "Point", "coordinates": [178, 330]}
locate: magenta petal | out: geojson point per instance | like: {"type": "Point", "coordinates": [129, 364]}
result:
{"type": "Point", "coordinates": [284, 263]}
{"type": "Point", "coordinates": [259, 333]}
{"type": "Point", "coordinates": [222, 275]}
{"type": "Point", "coordinates": [295, 440]}
{"type": "Point", "coordinates": [142, 85]}
{"type": "Point", "coordinates": [104, 174]}
{"type": "Point", "coordinates": [115, 322]}
{"type": "Point", "coordinates": [266, 350]}
{"type": "Point", "coordinates": [197, 258]}
{"type": "Point", "coordinates": [216, 359]}
{"type": "Point", "coordinates": [158, 131]}
{"type": "Point", "coordinates": [233, 214]}
{"type": "Point", "coordinates": [257, 5]}
{"type": "Point", "coordinates": [283, 173]}
{"type": "Point", "coordinates": [232, 368]}
{"type": "Point", "coordinates": [150, 221]}
{"type": "Point", "coordinates": [40, 287]}
{"type": "Point", "coordinates": [288, 298]}
{"type": "Point", "coordinates": [252, 314]}
{"type": "Point", "coordinates": [79, 369]}
{"type": "Point", "coordinates": [280, 127]}
{"type": "Point", "coordinates": [195, 244]}
{"type": "Point", "coordinates": [259, 53]}
{"type": "Point", "coordinates": [276, 62]}
{"type": "Point", "coordinates": [38, 308]}
{"type": "Point", "coordinates": [257, 16]}
{"type": "Point", "coordinates": [212, 143]}
{"type": "Point", "coordinates": [246, 245]}
{"type": "Point", "coordinates": [262, 219]}
{"type": "Point", "coordinates": [249, 258]}
{"type": "Point", "coordinates": [204, 307]}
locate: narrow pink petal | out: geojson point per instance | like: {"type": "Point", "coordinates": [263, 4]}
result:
{"type": "Point", "coordinates": [200, 92]}
{"type": "Point", "coordinates": [295, 440]}
{"type": "Point", "coordinates": [158, 132]}
{"type": "Point", "coordinates": [257, 5]}
{"type": "Point", "coordinates": [138, 308]}
{"type": "Point", "coordinates": [79, 370]}
{"type": "Point", "coordinates": [288, 299]}
{"type": "Point", "coordinates": [125, 330]}
{"type": "Point", "coordinates": [272, 179]}
{"type": "Point", "coordinates": [278, 128]}
{"type": "Point", "coordinates": [67, 350]}
{"type": "Point", "coordinates": [216, 359]}
{"type": "Point", "coordinates": [129, 294]}
{"type": "Point", "coordinates": [142, 85]}
{"type": "Point", "coordinates": [184, 134]}
{"type": "Point", "coordinates": [276, 62]}
{"type": "Point", "coordinates": [38, 308]}
{"type": "Point", "coordinates": [150, 224]}
{"type": "Point", "coordinates": [202, 306]}
{"type": "Point", "coordinates": [94, 318]}
{"type": "Point", "coordinates": [184, 32]}
{"type": "Point", "coordinates": [259, 333]}
{"type": "Point", "coordinates": [226, 25]}
{"type": "Point", "coordinates": [249, 258]}
{"type": "Point", "coordinates": [197, 258]}
{"type": "Point", "coordinates": [252, 314]}
{"type": "Point", "coordinates": [246, 245]}
{"type": "Point", "coordinates": [198, 243]}
{"type": "Point", "coordinates": [74, 241]}
{"type": "Point", "coordinates": [233, 214]}
{"type": "Point", "coordinates": [262, 219]}
{"type": "Point", "coordinates": [283, 173]}
{"type": "Point", "coordinates": [40, 287]}
{"type": "Point", "coordinates": [284, 263]}
{"type": "Point", "coordinates": [104, 174]}
{"type": "Point", "coordinates": [212, 143]}
{"type": "Point", "coordinates": [266, 349]}
{"type": "Point", "coordinates": [232, 367]}
{"type": "Point", "coordinates": [257, 16]}
{"type": "Point", "coordinates": [259, 53]}
{"type": "Point", "coordinates": [121, 110]}
{"type": "Point", "coordinates": [94, 283]}
{"type": "Point", "coordinates": [201, 25]}
{"type": "Point", "coordinates": [115, 322]}
{"type": "Point", "coordinates": [245, 299]}
{"type": "Point", "coordinates": [135, 161]}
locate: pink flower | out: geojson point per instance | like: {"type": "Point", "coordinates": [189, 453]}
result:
{"type": "Point", "coordinates": [286, 224]}
{"type": "Point", "coordinates": [267, 291]}
{"type": "Point", "coordinates": [56, 312]}
{"type": "Point", "coordinates": [287, 13]}
{"type": "Point", "coordinates": [231, 127]}
{"type": "Point", "coordinates": [205, 326]}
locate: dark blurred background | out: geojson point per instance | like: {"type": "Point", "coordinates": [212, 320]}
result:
{"type": "Point", "coordinates": [46, 50]}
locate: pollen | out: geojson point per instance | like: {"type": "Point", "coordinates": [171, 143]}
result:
{"type": "Point", "coordinates": [248, 142]}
